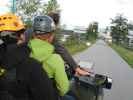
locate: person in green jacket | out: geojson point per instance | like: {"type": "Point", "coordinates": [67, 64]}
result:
{"type": "Point", "coordinates": [43, 51]}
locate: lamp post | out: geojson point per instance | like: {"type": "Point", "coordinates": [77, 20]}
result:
{"type": "Point", "coordinates": [13, 6]}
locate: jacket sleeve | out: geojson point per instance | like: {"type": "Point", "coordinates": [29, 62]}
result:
{"type": "Point", "coordinates": [63, 52]}
{"type": "Point", "coordinates": [60, 76]}
{"type": "Point", "coordinates": [40, 85]}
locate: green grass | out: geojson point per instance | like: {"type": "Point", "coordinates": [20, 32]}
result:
{"type": "Point", "coordinates": [74, 48]}
{"type": "Point", "coordinates": [92, 40]}
{"type": "Point", "coordinates": [126, 54]}
{"type": "Point", "coordinates": [74, 45]}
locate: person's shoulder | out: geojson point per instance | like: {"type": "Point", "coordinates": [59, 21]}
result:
{"type": "Point", "coordinates": [11, 46]}
{"type": "Point", "coordinates": [31, 65]}
{"type": "Point", "coordinates": [28, 33]}
{"type": "Point", "coordinates": [33, 62]}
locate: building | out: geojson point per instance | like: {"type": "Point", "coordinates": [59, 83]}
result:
{"type": "Point", "coordinates": [64, 35]}
{"type": "Point", "coordinates": [130, 39]}
{"type": "Point", "coordinates": [79, 30]}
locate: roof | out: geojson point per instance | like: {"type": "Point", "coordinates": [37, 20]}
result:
{"type": "Point", "coordinates": [67, 32]}
{"type": "Point", "coordinates": [129, 36]}
{"type": "Point", "coordinates": [130, 32]}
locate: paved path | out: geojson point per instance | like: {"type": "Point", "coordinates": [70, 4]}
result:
{"type": "Point", "coordinates": [108, 62]}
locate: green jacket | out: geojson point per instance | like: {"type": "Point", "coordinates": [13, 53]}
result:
{"type": "Point", "coordinates": [52, 63]}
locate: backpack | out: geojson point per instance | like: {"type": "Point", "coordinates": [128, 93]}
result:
{"type": "Point", "coordinates": [10, 87]}
{"type": "Point", "coordinates": [7, 79]}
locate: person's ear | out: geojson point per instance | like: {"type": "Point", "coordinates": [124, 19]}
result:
{"type": "Point", "coordinates": [51, 38]}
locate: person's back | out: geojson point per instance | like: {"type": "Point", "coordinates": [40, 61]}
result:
{"type": "Point", "coordinates": [24, 78]}
{"type": "Point", "coordinates": [43, 50]}
{"type": "Point", "coordinates": [52, 63]}
{"type": "Point", "coordinates": [31, 82]}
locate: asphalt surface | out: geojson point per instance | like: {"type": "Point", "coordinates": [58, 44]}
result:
{"type": "Point", "coordinates": [108, 62]}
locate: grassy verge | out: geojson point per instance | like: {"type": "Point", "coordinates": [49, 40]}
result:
{"type": "Point", "coordinates": [74, 48]}
{"type": "Point", "coordinates": [126, 54]}
{"type": "Point", "coordinates": [92, 40]}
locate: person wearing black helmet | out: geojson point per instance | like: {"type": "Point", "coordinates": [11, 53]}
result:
{"type": "Point", "coordinates": [21, 77]}
{"type": "Point", "coordinates": [42, 49]}
{"type": "Point", "coordinates": [59, 48]}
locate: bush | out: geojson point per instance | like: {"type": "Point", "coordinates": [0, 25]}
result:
{"type": "Point", "coordinates": [125, 53]}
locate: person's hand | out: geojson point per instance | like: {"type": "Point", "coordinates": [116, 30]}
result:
{"type": "Point", "coordinates": [81, 72]}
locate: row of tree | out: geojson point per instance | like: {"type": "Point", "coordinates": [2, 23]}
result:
{"type": "Point", "coordinates": [92, 30]}
{"type": "Point", "coordinates": [120, 28]}
{"type": "Point", "coordinates": [30, 8]}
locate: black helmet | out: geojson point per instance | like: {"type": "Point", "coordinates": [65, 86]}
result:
{"type": "Point", "coordinates": [43, 25]}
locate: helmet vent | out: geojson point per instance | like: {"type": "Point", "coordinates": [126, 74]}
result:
{"type": "Point", "coordinates": [9, 17]}
{"type": "Point", "coordinates": [2, 24]}
{"type": "Point", "coordinates": [4, 18]}
{"type": "Point", "coordinates": [41, 19]}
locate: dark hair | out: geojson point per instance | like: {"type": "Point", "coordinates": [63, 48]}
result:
{"type": "Point", "coordinates": [21, 31]}
{"type": "Point", "coordinates": [55, 17]}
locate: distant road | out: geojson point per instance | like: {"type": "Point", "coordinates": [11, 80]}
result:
{"type": "Point", "coordinates": [108, 62]}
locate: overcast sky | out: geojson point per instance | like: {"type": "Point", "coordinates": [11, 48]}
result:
{"type": "Point", "coordinates": [4, 6]}
{"type": "Point", "coordinates": [82, 12]}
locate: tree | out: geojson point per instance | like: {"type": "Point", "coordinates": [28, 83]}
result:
{"type": "Point", "coordinates": [28, 7]}
{"type": "Point", "coordinates": [119, 28]}
{"type": "Point", "coordinates": [51, 6]}
{"type": "Point", "coordinates": [106, 29]}
{"type": "Point", "coordinates": [92, 30]}
{"type": "Point", "coordinates": [95, 27]}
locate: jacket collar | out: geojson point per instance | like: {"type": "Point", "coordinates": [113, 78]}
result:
{"type": "Point", "coordinates": [40, 49]}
